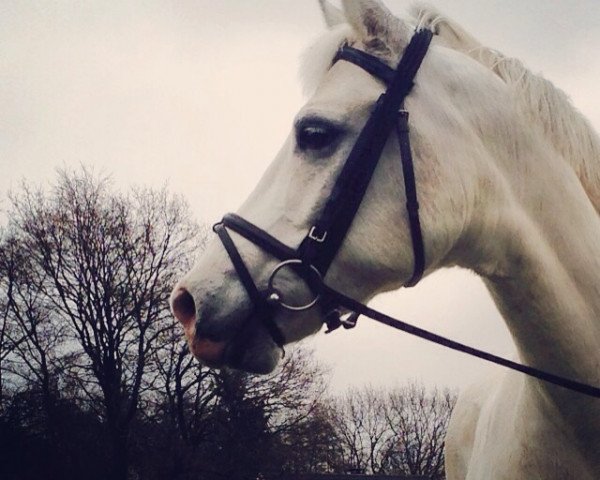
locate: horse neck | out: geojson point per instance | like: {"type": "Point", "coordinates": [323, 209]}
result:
{"type": "Point", "coordinates": [546, 258]}
{"type": "Point", "coordinates": [546, 106]}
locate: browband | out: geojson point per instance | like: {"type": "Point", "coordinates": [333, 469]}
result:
{"type": "Point", "coordinates": [367, 62]}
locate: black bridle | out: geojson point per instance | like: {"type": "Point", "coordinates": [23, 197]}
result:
{"type": "Point", "coordinates": [312, 259]}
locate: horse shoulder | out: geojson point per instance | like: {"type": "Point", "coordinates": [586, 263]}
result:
{"type": "Point", "coordinates": [503, 430]}
{"type": "Point", "coordinates": [462, 429]}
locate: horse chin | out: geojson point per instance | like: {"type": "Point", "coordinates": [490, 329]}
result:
{"type": "Point", "coordinates": [245, 358]}
{"type": "Point", "coordinates": [251, 350]}
{"type": "Point", "coordinates": [255, 358]}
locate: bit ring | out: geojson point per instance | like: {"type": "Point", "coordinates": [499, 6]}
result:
{"type": "Point", "coordinates": [276, 296]}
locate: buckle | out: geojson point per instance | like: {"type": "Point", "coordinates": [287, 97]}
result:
{"type": "Point", "coordinates": [350, 320]}
{"type": "Point", "coordinates": [336, 319]}
{"type": "Point", "coordinates": [314, 236]}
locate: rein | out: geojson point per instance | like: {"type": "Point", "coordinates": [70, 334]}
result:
{"type": "Point", "coordinates": [317, 251]}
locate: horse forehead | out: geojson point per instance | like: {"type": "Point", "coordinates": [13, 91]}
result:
{"type": "Point", "coordinates": [345, 87]}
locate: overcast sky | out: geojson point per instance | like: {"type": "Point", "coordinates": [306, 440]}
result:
{"type": "Point", "coordinates": [201, 94]}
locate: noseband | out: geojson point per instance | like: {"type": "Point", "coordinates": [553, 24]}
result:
{"type": "Point", "coordinates": [312, 259]}
{"type": "Point", "coordinates": [316, 252]}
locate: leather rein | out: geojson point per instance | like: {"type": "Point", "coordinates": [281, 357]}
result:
{"type": "Point", "coordinates": [312, 259]}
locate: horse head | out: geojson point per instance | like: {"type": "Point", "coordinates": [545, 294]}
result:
{"type": "Point", "coordinates": [460, 117]}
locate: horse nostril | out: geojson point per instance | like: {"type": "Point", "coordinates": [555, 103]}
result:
{"type": "Point", "coordinates": [183, 306]}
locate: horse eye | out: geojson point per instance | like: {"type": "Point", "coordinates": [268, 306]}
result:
{"type": "Point", "coordinates": [315, 137]}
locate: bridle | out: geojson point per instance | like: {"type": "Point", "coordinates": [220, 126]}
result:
{"type": "Point", "coordinates": [312, 259]}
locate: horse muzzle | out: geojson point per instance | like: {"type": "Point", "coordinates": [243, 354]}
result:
{"type": "Point", "coordinates": [237, 339]}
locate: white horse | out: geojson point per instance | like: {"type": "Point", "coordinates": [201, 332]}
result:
{"type": "Point", "coordinates": [508, 177]}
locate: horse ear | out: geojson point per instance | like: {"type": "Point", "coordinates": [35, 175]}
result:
{"type": "Point", "coordinates": [374, 22]}
{"type": "Point", "coordinates": [333, 15]}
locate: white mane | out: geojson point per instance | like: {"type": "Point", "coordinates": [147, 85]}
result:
{"type": "Point", "coordinates": [550, 108]}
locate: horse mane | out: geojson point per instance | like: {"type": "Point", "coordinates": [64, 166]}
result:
{"type": "Point", "coordinates": [565, 128]}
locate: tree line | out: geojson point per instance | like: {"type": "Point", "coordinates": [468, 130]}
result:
{"type": "Point", "coordinates": [95, 381]}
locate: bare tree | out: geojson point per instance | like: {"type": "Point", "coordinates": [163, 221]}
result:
{"type": "Point", "coordinates": [34, 335]}
{"type": "Point", "coordinates": [362, 431]}
{"type": "Point", "coordinates": [233, 424]}
{"type": "Point", "coordinates": [264, 417]}
{"type": "Point", "coordinates": [31, 331]}
{"type": "Point", "coordinates": [397, 431]}
{"type": "Point", "coordinates": [104, 263]}
{"type": "Point", "coordinates": [189, 390]}
{"type": "Point", "coordinates": [9, 338]}
{"type": "Point", "coordinates": [292, 393]}
{"type": "Point", "coordinates": [419, 420]}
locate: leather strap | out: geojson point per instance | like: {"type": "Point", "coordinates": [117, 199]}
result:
{"type": "Point", "coordinates": [363, 309]}
{"type": "Point", "coordinates": [261, 307]}
{"type": "Point", "coordinates": [259, 237]}
{"type": "Point", "coordinates": [321, 245]}
{"type": "Point", "coordinates": [367, 62]}
{"type": "Point", "coordinates": [333, 297]}
{"type": "Point", "coordinates": [412, 203]}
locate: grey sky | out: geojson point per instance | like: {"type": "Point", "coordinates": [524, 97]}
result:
{"type": "Point", "coordinates": [195, 93]}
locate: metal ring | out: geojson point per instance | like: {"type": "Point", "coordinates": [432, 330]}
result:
{"type": "Point", "coordinates": [294, 261]}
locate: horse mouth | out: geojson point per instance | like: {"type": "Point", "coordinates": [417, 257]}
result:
{"type": "Point", "coordinates": [251, 349]}
{"type": "Point", "coordinates": [211, 353]}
